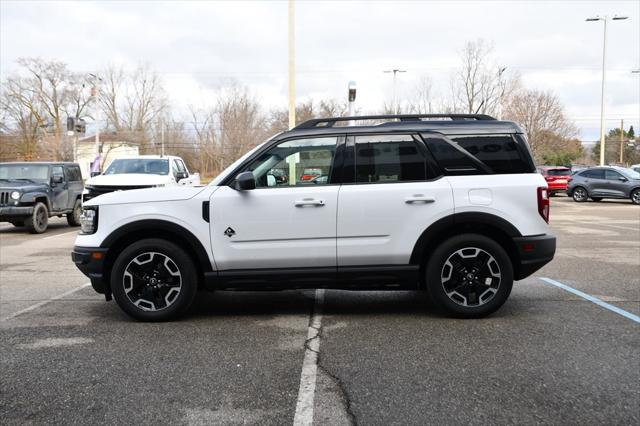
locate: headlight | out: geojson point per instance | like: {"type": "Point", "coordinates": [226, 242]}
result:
{"type": "Point", "coordinates": [89, 220]}
{"type": "Point", "coordinates": [15, 195]}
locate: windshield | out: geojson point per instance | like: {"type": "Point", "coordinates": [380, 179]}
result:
{"type": "Point", "coordinates": [629, 173]}
{"type": "Point", "coordinates": [150, 166]}
{"type": "Point", "coordinates": [35, 172]}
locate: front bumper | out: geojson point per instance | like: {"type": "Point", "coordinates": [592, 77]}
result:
{"type": "Point", "coordinates": [90, 261]}
{"type": "Point", "coordinates": [10, 212]}
{"type": "Point", "coordinates": [533, 253]}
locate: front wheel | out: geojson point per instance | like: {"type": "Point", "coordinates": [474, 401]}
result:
{"type": "Point", "coordinates": [635, 196]}
{"type": "Point", "coordinates": [154, 280]}
{"type": "Point", "coordinates": [580, 195]}
{"type": "Point", "coordinates": [73, 218]}
{"type": "Point", "coordinates": [470, 275]}
{"type": "Point", "coordinates": [39, 220]}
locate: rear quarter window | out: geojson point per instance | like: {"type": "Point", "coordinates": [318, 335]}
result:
{"type": "Point", "coordinates": [500, 153]}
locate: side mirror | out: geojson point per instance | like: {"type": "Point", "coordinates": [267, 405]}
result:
{"type": "Point", "coordinates": [56, 179]}
{"type": "Point", "coordinates": [245, 181]}
{"type": "Point", "coordinates": [94, 174]}
{"type": "Point", "coordinates": [622, 179]}
{"type": "Point", "coordinates": [181, 175]}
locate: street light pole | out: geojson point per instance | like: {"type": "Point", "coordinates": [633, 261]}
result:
{"type": "Point", "coordinates": [395, 103]}
{"type": "Point", "coordinates": [95, 93]}
{"type": "Point", "coordinates": [604, 57]}
{"type": "Point", "coordinates": [292, 67]}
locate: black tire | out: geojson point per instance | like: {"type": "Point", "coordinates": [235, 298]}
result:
{"type": "Point", "coordinates": [73, 218]}
{"type": "Point", "coordinates": [580, 194]}
{"type": "Point", "coordinates": [469, 260]}
{"type": "Point", "coordinates": [131, 270]}
{"type": "Point", "coordinates": [596, 199]}
{"type": "Point", "coordinates": [635, 196]}
{"type": "Point", "coordinates": [39, 220]}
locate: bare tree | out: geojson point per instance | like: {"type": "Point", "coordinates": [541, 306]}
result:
{"type": "Point", "coordinates": [542, 116]}
{"type": "Point", "coordinates": [133, 102]}
{"type": "Point", "coordinates": [228, 130]}
{"type": "Point", "coordinates": [39, 100]}
{"type": "Point", "coordinates": [422, 100]}
{"type": "Point", "coordinates": [479, 85]}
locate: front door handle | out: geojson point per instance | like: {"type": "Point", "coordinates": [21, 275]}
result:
{"type": "Point", "coordinates": [309, 202]}
{"type": "Point", "coordinates": [419, 198]}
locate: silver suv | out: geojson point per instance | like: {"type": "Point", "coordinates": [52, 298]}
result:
{"type": "Point", "coordinates": [605, 182]}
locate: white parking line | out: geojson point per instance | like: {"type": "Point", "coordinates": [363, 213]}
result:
{"type": "Point", "coordinates": [306, 392]}
{"type": "Point", "coordinates": [44, 302]}
{"type": "Point", "coordinates": [593, 299]}
{"type": "Point", "coordinates": [58, 235]}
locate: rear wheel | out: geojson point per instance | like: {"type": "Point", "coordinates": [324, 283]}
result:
{"type": "Point", "coordinates": [635, 196]}
{"type": "Point", "coordinates": [580, 194]}
{"type": "Point", "coordinates": [470, 275]}
{"type": "Point", "coordinates": [39, 220]}
{"type": "Point", "coordinates": [154, 280]}
{"type": "Point", "coordinates": [73, 218]}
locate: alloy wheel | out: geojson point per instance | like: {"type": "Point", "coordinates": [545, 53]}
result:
{"type": "Point", "coordinates": [635, 197]}
{"type": "Point", "coordinates": [152, 281]}
{"type": "Point", "coordinates": [470, 277]}
{"type": "Point", "coordinates": [579, 194]}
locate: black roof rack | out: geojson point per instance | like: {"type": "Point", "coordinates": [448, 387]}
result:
{"type": "Point", "coordinates": [329, 122]}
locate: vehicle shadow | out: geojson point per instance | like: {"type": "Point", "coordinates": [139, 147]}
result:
{"type": "Point", "coordinates": [293, 302]}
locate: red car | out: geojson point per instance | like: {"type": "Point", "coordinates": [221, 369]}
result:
{"type": "Point", "coordinates": [556, 177]}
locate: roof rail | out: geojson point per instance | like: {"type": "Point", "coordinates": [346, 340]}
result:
{"type": "Point", "coordinates": [329, 122]}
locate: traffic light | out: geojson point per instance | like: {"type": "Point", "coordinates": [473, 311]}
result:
{"type": "Point", "coordinates": [76, 125]}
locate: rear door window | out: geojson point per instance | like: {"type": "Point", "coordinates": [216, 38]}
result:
{"type": "Point", "coordinates": [389, 158]}
{"type": "Point", "coordinates": [452, 160]}
{"type": "Point", "coordinates": [593, 174]}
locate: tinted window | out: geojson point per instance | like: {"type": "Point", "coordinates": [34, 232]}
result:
{"type": "Point", "coordinates": [500, 153]}
{"type": "Point", "coordinates": [286, 163]}
{"type": "Point", "coordinates": [612, 175]}
{"type": "Point", "coordinates": [558, 172]}
{"type": "Point", "coordinates": [451, 160]}
{"type": "Point", "coordinates": [72, 174]}
{"type": "Point", "coordinates": [388, 158]}
{"type": "Point", "coordinates": [593, 174]}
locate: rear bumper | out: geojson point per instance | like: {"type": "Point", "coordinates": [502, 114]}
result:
{"type": "Point", "coordinates": [90, 261]}
{"type": "Point", "coordinates": [8, 213]}
{"type": "Point", "coordinates": [533, 253]}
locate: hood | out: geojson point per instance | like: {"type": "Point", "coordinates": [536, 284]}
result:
{"type": "Point", "coordinates": [22, 185]}
{"type": "Point", "coordinates": [128, 179]}
{"type": "Point", "coordinates": [147, 195]}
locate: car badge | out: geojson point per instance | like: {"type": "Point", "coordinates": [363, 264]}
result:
{"type": "Point", "coordinates": [229, 232]}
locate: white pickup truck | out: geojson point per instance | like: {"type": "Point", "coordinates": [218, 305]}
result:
{"type": "Point", "coordinates": [144, 171]}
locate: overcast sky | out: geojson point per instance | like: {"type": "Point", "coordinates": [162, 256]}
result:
{"type": "Point", "coordinates": [197, 46]}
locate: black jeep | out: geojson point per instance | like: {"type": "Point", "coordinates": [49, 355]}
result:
{"type": "Point", "coordinates": [30, 193]}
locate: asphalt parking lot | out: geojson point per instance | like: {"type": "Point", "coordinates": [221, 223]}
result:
{"type": "Point", "coordinates": [548, 356]}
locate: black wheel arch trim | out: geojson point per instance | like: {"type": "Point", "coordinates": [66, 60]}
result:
{"type": "Point", "coordinates": [160, 228]}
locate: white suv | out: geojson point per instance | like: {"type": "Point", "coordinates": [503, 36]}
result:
{"type": "Point", "coordinates": [451, 204]}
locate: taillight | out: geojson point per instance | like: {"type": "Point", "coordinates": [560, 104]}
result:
{"type": "Point", "coordinates": [543, 203]}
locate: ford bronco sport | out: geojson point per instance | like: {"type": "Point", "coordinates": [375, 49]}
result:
{"type": "Point", "coordinates": [450, 204]}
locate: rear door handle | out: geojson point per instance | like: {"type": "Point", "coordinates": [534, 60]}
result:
{"type": "Point", "coordinates": [419, 198]}
{"type": "Point", "coordinates": [309, 202]}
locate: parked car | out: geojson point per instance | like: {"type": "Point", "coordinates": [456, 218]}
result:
{"type": "Point", "coordinates": [31, 193]}
{"type": "Point", "coordinates": [309, 174]}
{"type": "Point", "coordinates": [556, 177]}
{"type": "Point", "coordinates": [453, 207]}
{"type": "Point", "coordinates": [635, 168]}
{"type": "Point", "coordinates": [145, 171]}
{"type": "Point", "coordinates": [605, 182]}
